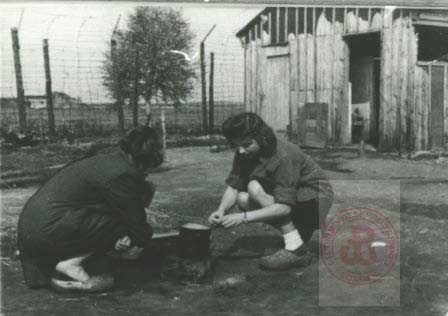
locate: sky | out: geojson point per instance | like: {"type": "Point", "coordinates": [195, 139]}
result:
{"type": "Point", "coordinates": [79, 34]}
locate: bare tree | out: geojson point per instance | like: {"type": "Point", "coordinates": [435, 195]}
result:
{"type": "Point", "coordinates": [117, 77]}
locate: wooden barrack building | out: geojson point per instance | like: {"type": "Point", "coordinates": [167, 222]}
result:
{"type": "Point", "coordinates": [307, 68]}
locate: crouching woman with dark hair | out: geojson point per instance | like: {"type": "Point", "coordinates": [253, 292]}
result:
{"type": "Point", "coordinates": [91, 207]}
{"type": "Point", "coordinates": [273, 182]}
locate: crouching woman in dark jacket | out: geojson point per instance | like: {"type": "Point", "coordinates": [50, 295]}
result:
{"type": "Point", "coordinates": [92, 206]}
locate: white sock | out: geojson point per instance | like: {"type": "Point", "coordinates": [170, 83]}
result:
{"type": "Point", "coordinates": [292, 240]}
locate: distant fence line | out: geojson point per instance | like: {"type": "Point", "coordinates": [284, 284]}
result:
{"type": "Point", "coordinates": [74, 74]}
{"type": "Point", "coordinates": [183, 118]}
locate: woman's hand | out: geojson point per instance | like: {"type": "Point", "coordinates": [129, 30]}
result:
{"type": "Point", "coordinates": [123, 244]}
{"type": "Point", "coordinates": [132, 253]}
{"type": "Point", "coordinates": [232, 220]}
{"type": "Point", "coordinates": [215, 218]}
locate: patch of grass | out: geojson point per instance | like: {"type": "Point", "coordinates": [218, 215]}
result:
{"type": "Point", "coordinates": [21, 166]}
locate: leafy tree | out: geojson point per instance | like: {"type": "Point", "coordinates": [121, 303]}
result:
{"type": "Point", "coordinates": [142, 65]}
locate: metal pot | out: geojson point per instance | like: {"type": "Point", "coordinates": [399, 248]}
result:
{"type": "Point", "coordinates": [194, 241]}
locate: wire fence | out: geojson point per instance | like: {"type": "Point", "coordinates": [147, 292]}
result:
{"type": "Point", "coordinates": [77, 47]}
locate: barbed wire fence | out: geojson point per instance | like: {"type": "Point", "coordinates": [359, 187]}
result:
{"type": "Point", "coordinates": [77, 47]}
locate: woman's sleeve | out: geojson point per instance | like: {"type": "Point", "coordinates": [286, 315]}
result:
{"type": "Point", "coordinates": [287, 176]}
{"type": "Point", "coordinates": [124, 195]}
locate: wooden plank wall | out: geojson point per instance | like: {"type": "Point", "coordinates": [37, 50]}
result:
{"type": "Point", "coordinates": [445, 97]}
{"type": "Point", "coordinates": [319, 59]}
{"type": "Point", "coordinates": [398, 62]}
{"type": "Point", "coordinates": [422, 105]}
{"type": "Point", "coordinates": [247, 77]}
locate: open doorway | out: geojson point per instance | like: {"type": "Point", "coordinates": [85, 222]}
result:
{"type": "Point", "coordinates": [364, 76]}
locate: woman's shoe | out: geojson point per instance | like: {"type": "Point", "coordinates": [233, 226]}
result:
{"type": "Point", "coordinates": [286, 259]}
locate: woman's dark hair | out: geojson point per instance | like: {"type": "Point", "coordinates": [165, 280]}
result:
{"type": "Point", "coordinates": [250, 125]}
{"type": "Point", "coordinates": [144, 145]}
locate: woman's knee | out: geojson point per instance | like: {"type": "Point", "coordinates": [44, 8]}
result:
{"type": "Point", "coordinates": [243, 200]}
{"type": "Point", "coordinates": [254, 189]}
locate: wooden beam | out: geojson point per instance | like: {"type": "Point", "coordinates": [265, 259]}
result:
{"type": "Point", "coordinates": [245, 77]}
{"type": "Point", "coordinates": [400, 84]}
{"type": "Point", "coordinates": [429, 141]}
{"type": "Point", "coordinates": [269, 27]}
{"type": "Point", "coordinates": [277, 30]}
{"type": "Point", "coordinates": [445, 98]}
{"type": "Point", "coordinates": [315, 53]}
{"type": "Point", "coordinates": [391, 82]}
{"type": "Point", "coordinates": [369, 18]}
{"type": "Point", "coordinates": [254, 76]}
{"type": "Point", "coordinates": [305, 24]}
{"type": "Point", "coordinates": [256, 32]}
{"type": "Point", "coordinates": [345, 20]}
{"type": "Point", "coordinates": [203, 89]}
{"type": "Point", "coordinates": [21, 107]}
{"type": "Point", "coordinates": [48, 89]}
{"type": "Point", "coordinates": [332, 106]}
{"type": "Point", "coordinates": [297, 21]}
{"type": "Point", "coordinates": [346, 108]}
{"type": "Point", "coordinates": [410, 121]}
{"type": "Point", "coordinates": [211, 112]}
{"type": "Point", "coordinates": [286, 24]}
{"type": "Point", "coordinates": [382, 124]}
{"type": "Point", "coordinates": [432, 23]}
{"type": "Point", "coordinates": [357, 19]}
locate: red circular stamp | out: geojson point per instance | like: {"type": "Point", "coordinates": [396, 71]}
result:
{"type": "Point", "coordinates": [359, 246]}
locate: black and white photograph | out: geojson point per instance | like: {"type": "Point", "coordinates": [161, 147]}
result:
{"type": "Point", "coordinates": [279, 157]}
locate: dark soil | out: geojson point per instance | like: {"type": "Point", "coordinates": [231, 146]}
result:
{"type": "Point", "coordinates": [189, 189]}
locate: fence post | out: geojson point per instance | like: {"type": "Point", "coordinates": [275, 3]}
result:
{"type": "Point", "coordinates": [211, 120]}
{"type": "Point", "coordinates": [19, 80]}
{"type": "Point", "coordinates": [50, 110]}
{"type": "Point", "coordinates": [204, 87]}
{"type": "Point", "coordinates": [135, 96]}
{"type": "Point", "coordinates": [118, 97]}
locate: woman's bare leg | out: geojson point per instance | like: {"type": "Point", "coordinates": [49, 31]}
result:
{"type": "Point", "coordinates": [73, 268]}
{"type": "Point", "coordinates": [257, 194]}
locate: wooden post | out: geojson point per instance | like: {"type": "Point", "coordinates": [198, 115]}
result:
{"type": "Point", "coordinates": [135, 92]}
{"type": "Point", "coordinates": [204, 87]}
{"type": "Point", "coordinates": [345, 20]}
{"type": "Point", "coordinates": [357, 19]}
{"type": "Point", "coordinates": [315, 55]}
{"type": "Point", "coordinates": [305, 31]}
{"type": "Point", "coordinates": [410, 125]}
{"type": "Point", "coordinates": [210, 94]}
{"type": "Point", "coordinates": [397, 93]}
{"type": "Point", "coordinates": [245, 75]}
{"type": "Point", "coordinates": [50, 109]}
{"type": "Point", "coordinates": [118, 95]}
{"type": "Point", "coordinates": [429, 108]}
{"type": "Point", "coordinates": [277, 26]}
{"type": "Point", "coordinates": [19, 80]}
{"type": "Point", "coordinates": [270, 32]}
{"type": "Point", "coordinates": [297, 23]}
{"type": "Point", "coordinates": [163, 125]}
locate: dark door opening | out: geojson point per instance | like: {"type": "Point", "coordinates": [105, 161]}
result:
{"type": "Point", "coordinates": [364, 76]}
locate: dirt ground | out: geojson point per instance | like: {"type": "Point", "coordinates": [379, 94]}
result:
{"type": "Point", "coordinates": [189, 188]}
